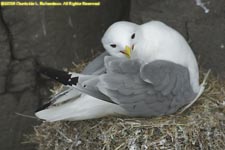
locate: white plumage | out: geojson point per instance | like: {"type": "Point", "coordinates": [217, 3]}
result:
{"type": "Point", "coordinates": [161, 76]}
{"type": "Point", "coordinates": [157, 41]}
{"type": "Point", "coordinates": [79, 107]}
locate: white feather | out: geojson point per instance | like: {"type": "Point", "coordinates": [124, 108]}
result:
{"type": "Point", "coordinates": [157, 41]}
{"type": "Point", "coordinates": [86, 107]}
{"type": "Point", "coordinates": [118, 34]}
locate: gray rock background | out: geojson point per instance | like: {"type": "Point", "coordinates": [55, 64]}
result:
{"type": "Point", "coordinates": [51, 36]}
{"type": "Point", "coordinates": [58, 36]}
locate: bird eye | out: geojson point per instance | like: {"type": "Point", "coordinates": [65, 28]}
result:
{"type": "Point", "coordinates": [133, 36]}
{"type": "Point", "coordinates": [113, 45]}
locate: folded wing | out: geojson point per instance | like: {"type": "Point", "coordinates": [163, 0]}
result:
{"type": "Point", "coordinates": [95, 67]}
{"type": "Point", "coordinates": [157, 88]}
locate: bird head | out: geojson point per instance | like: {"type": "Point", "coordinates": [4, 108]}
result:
{"type": "Point", "coordinates": [117, 38]}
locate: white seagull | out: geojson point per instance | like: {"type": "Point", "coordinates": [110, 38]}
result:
{"type": "Point", "coordinates": [160, 77]}
{"type": "Point", "coordinates": [66, 104]}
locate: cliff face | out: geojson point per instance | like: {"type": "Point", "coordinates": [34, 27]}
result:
{"type": "Point", "coordinates": [57, 37]}
{"type": "Point", "coordinates": [51, 36]}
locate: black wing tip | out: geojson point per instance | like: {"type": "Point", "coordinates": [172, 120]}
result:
{"type": "Point", "coordinates": [42, 107]}
{"type": "Point", "coordinates": [55, 74]}
{"type": "Point", "coordinates": [73, 81]}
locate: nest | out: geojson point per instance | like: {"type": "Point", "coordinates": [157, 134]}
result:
{"type": "Point", "coordinates": [202, 126]}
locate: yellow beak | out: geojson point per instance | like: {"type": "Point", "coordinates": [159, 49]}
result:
{"type": "Point", "coordinates": [127, 51]}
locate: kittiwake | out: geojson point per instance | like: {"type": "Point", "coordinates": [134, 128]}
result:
{"type": "Point", "coordinates": [115, 40]}
{"type": "Point", "coordinates": [160, 77]}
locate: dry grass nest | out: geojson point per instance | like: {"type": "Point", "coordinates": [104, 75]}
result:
{"type": "Point", "coordinates": [202, 126]}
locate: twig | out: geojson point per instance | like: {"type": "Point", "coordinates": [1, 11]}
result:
{"type": "Point", "coordinates": [206, 77]}
{"type": "Point", "coordinates": [63, 135]}
{"type": "Point", "coordinates": [26, 116]}
{"type": "Point", "coordinates": [120, 146]}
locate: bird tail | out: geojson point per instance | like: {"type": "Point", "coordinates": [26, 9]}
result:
{"type": "Point", "coordinates": [85, 107]}
{"type": "Point", "coordinates": [83, 83]}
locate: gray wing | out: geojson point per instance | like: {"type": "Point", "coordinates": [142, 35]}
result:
{"type": "Point", "coordinates": [95, 67]}
{"type": "Point", "coordinates": [67, 93]}
{"type": "Point", "coordinates": [153, 89]}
